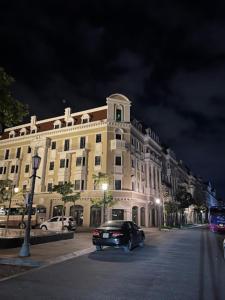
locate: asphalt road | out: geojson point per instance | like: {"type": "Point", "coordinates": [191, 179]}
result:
{"type": "Point", "coordinates": [180, 264]}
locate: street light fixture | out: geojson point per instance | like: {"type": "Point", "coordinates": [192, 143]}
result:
{"type": "Point", "coordinates": [104, 188]}
{"type": "Point", "coordinates": [25, 249]}
{"type": "Point", "coordinates": [158, 202]}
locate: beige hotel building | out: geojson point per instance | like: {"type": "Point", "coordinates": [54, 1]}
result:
{"type": "Point", "coordinates": [76, 145]}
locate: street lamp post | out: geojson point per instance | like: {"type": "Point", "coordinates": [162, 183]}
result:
{"type": "Point", "coordinates": [104, 188]}
{"type": "Point", "coordinates": [25, 249]}
{"type": "Point", "coordinates": [158, 202]}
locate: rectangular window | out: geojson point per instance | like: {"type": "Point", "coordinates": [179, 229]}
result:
{"type": "Point", "coordinates": [6, 153]}
{"type": "Point", "coordinates": [50, 187]}
{"type": "Point", "coordinates": [17, 168]}
{"type": "Point", "coordinates": [117, 184]}
{"type": "Point", "coordinates": [4, 170]}
{"type": "Point", "coordinates": [28, 149]}
{"type": "Point", "coordinates": [62, 163]}
{"type": "Point", "coordinates": [12, 169]}
{"type": "Point", "coordinates": [67, 163]}
{"type": "Point", "coordinates": [82, 185]}
{"type": "Point", "coordinates": [118, 136]}
{"type": "Point", "coordinates": [132, 163]}
{"type": "Point", "coordinates": [1, 170]}
{"type": "Point", "coordinates": [83, 160]}
{"type": "Point", "coordinates": [27, 167]}
{"type": "Point", "coordinates": [24, 188]}
{"type": "Point", "coordinates": [53, 145]}
{"type": "Point", "coordinates": [66, 145]}
{"type": "Point", "coordinates": [77, 185]}
{"type": "Point", "coordinates": [132, 141]}
{"type": "Point", "coordinates": [79, 161]}
{"type": "Point", "coordinates": [98, 138]}
{"type": "Point", "coordinates": [133, 187]}
{"type": "Point", "coordinates": [97, 160]}
{"type": "Point", "coordinates": [56, 126]}
{"type": "Point", "coordinates": [51, 165]}
{"type": "Point", "coordinates": [82, 142]}
{"type": "Point", "coordinates": [117, 214]}
{"type": "Point", "coordinates": [118, 161]}
{"type": "Point", "coordinates": [69, 124]}
{"type": "Point", "coordinates": [18, 151]}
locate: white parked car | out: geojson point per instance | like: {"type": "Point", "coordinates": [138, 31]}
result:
{"type": "Point", "coordinates": [55, 224]}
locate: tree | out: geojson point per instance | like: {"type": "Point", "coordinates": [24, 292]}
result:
{"type": "Point", "coordinates": [199, 201]}
{"type": "Point", "coordinates": [107, 200]}
{"type": "Point", "coordinates": [171, 208]}
{"type": "Point", "coordinates": [66, 191]}
{"type": "Point", "coordinates": [184, 200]}
{"type": "Point", "coordinates": [12, 111]}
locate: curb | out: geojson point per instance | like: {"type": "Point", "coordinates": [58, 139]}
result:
{"type": "Point", "coordinates": [41, 265]}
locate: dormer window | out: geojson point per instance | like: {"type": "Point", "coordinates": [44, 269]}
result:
{"type": "Point", "coordinates": [85, 118]}
{"type": "Point", "coordinates": [33, 129]}
{"type": "Point", "coordinates": [12, 134]}
{"type": "Point", "coordinates": [57, 124]}
{"type": "Point", "coordinates": [70, 122]}
{"type": "Point", "coordinates": [23, 131]}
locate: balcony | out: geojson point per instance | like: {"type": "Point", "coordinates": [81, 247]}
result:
{"type": "Point", "coordinates": [118, 145]}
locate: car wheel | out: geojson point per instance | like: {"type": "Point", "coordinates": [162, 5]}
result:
{"type": "Point", "coordinates": [99, 247]}
{"type": "Point", "coordinates": [44, 228]}
{"type": "Point", "coordinates": [22, 225]}
{"type": "Point", "coordinates": [128, 247]}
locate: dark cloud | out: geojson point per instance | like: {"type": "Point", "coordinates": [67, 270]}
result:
{"type": "Point", "coordinates": [168, 57]}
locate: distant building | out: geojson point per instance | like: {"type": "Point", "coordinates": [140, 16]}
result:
{"type": "Point", "coordinates": [74, 146]}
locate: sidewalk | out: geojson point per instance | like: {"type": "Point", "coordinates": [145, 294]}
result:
{"type": "Point", "coordinates": [49, 253]}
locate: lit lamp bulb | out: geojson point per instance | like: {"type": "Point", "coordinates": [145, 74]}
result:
{"type": "Point", "coordinates": [104, 186]}
{"type": "Point", "coordinates": [157, 201]}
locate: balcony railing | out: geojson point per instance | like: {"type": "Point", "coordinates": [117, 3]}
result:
{"type": "Point", "coordinates": [118, 145]}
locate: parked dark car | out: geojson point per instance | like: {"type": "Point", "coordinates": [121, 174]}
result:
{"type": "Point", "coordinates": [125, 234]}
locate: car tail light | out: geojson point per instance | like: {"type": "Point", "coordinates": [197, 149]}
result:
{"type": "Point", "coordinates": [96, 232]}
{"type": "Point", "coordinates": [117, 234]}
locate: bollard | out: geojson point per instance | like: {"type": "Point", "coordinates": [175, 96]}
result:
{"type": "Point", "coordinates": [224, 248]}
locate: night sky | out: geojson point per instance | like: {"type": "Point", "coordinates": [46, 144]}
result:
{"type": "Point", "coordinates": [167, 57]}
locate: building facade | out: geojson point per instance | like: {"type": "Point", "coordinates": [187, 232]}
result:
{"type": "Point", "coordinates": [77, 145]}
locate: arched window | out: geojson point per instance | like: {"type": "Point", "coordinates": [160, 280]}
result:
{"type": "Point", "coordinates": [118, 134]}
{"type": "Point", "coordinates": [118, 113]}
{"type": "Point", "coordinates": [135, 214]}
{"type": "Point", "coordinates": [77, 211]}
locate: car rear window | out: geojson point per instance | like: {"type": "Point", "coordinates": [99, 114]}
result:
{"type": "Point", "coordinates": [118, 224]}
